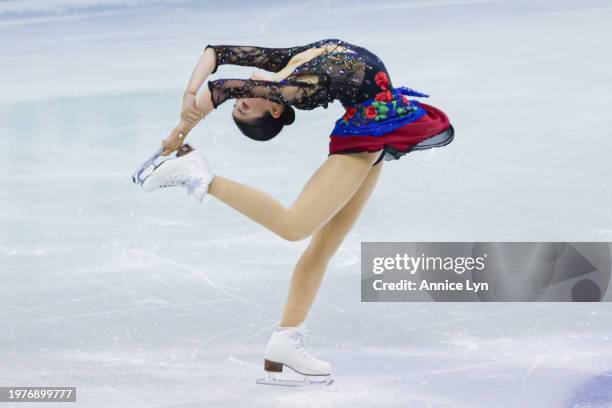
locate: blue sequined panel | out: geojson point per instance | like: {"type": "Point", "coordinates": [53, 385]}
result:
{"type": "Point", "coordinates": [380, 115]}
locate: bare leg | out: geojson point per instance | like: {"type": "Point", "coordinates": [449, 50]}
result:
{"type": "Point", "coordinates": [327, 191]}
{"type": "Point", "coordinates": [309, 271]}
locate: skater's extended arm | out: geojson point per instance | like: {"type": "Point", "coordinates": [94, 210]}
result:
{"type": "Point", "coordinates": [194, 107]}
{"type": "Point", "coordinates": [269, 59]}
{"type": "Point", "coordinates": [287, 92]}
{"type": "Point", "coordinates": [205, 66]}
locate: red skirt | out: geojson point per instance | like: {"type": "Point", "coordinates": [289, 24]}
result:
{"type": "Point", "coordinates": [401, 140]}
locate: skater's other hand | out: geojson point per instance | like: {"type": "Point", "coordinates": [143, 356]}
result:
{"type": "Point", "coordinates": [175, 139]}
{"type": "Point", "coordinates": [190, 113]}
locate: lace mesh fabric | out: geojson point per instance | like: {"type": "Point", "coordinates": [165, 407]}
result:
{"type": "Point", "coordinates": [343, 74]}
{"type": "Point", "coordinates": [302, 95]}
{"type": "Point", "coordinates": [269, 59]}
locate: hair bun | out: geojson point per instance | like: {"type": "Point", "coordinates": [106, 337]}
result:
{"type": "Point", "coordinates": [288, 116]}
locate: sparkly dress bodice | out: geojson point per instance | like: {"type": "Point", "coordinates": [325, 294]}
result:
{"type": "Point", "coordinates": [343, 72]}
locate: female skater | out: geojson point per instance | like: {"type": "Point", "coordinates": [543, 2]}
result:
{"type": "Point", "coordinates": [380, 122]}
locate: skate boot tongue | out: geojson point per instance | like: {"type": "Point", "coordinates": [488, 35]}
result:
{"type": "Point", "coordinates": [297, 334]}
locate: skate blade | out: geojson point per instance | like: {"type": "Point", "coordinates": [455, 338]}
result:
{"type": "Point", "coordinates": [147, 167]}
{"type": "Point", "coordinates": [306, 381]}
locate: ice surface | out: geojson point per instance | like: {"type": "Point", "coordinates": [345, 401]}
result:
{"type": "Point", "coordinates": [155, 301]}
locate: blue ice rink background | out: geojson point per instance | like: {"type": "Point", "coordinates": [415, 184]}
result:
{"type": "Point", "coordinates": [155, 301]}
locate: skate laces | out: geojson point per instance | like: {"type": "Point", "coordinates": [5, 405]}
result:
{"type": "Point", "coordinates": [298, 338]}
{"type": "Point", "coordinates": [174, 180]}
{"type": "Point", "coordinates": [182, 179]}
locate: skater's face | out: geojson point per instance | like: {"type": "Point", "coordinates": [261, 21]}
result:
{"type": "Point", "coordinates": [246, 109]}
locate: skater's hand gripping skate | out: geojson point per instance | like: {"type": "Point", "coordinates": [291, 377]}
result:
{"type": "Point", "coordinates": [175, 139]}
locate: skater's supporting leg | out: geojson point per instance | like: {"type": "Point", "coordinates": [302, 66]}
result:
{"type": "Point", "coordinates": [310, 269]}
{"type": "Point", "coordinates": [327, 191]}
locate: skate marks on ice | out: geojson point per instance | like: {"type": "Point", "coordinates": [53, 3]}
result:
{"type": "Point", "coordinates": [268, 326]}
{"type": "Point", "coordinates": [97, 290]}
{"type": "Point", "coordinates": [131, 327]}
{"type": "Point", "coordinates": [200, 274]}
{"type": "Point", "coordinates": [417, 378]}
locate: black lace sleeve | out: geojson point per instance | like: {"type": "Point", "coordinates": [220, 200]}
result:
{"type": "Point", "coordinates": [269, 59]}
{"type": "Point", "coordinates": [288, 92]}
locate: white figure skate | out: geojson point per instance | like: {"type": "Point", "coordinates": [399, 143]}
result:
{"type": "Point", "coordinates": [285, 350]}
{"type": "Point", "coordinates": [188, 169]}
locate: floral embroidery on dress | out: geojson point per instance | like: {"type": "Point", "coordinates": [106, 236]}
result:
{"type": "Point", "coordinates": [382, 80]}
{"type": "Point", "coordinates": [385, 105]}
{"type": "Point", "coordinates": [377, 110]}
{"type": "Point", "coordinates": [388, 110]}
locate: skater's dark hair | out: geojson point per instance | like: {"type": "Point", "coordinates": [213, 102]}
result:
{"type": "Point", "coordinates": [267, 126]}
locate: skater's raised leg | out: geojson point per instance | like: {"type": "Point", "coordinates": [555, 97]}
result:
{"type": "Point", "coordinates": [327, 191]}
{"type": "Point", "coordinates": [311, 267]}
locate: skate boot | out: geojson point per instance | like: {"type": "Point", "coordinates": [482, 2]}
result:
{"type": "Point", "coordinates": [188, 169]}
{"type": "Point", "coordinates": [288, 363]}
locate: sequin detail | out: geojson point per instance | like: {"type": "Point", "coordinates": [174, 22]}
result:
{"type": "Point", "coordinates": [302, 95]}
{"type": "Point", "coordinates": [269, 59]}
{"type": "Point", "coordinates": [340, 74]}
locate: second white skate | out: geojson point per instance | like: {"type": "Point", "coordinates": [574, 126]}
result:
{"type": "Point", "coordinates": [288, 363]}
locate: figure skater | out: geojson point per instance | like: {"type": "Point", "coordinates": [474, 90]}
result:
{"type": "Point", "coordinates": [380, 123]}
